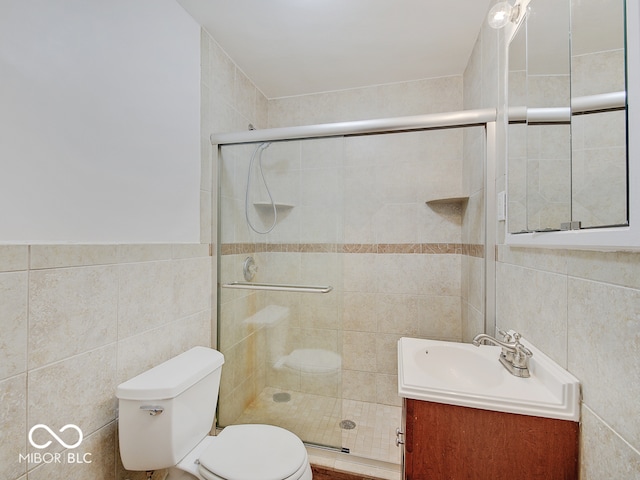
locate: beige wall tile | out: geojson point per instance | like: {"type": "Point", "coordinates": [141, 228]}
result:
{"type": "Point", "coordinates": [603, 453]}
{"type": "Point", "coordinates": [54, 256]}
{"type": "Point", "coordinates": [603, 329]}
{"type": "Point", "coordinates": [145, 296]}
{"type": "Point", "coordinates": [223, 72]}
{"type": "Point", "coordinates": [439, 223]}
{"type": "Point", "coordinates": [597, 73]}
{"type": "Point", "coordinates": [192, 286]}
{"type": "Point", "coordinates": [491, 75]}
{"type": "Point", "coordinates": [190, 332]}
{"type": "Point", "coordinates": [387, 354]}
{"type": "Point", "coordinates": [475, 276]}
{"type": "Point", "coordinates": [245, 95]}
{"type": "Point", "coordinates": [387, 390]}
{"type": "Point", "coordinates": [14, 257]}
{"type": "Point", "coordinates": [617, 268]}
{"type": "Point", "coordinates": [321, 311]}
{"type": "Point", "coordinates": [418, 274]}
{"type": "Point", "coordinates": [143, 253]}
{"type": "Point", "coordinates": [358, 385]}
{"type": "Point", "coordinates": [98, 449]}
{"type": "Point", "coordinates": [440, 317]}
{"type": "Point", "coordinates": [359, 311]}
{"type": "Point", "coordinates": [473, 323]}
{"type": "Point", "coordinates": [13, 318]}
{"type": "Point", "coordinates": [534, 303]}
{"type": "Point", "coordinates": [400, 314]}
{"type": "Point", "coordinates": [13, 427]}
{"type": "Point", "coordinates": [359, 351]}
{"type": "Point", "coordinates": [473, 77]}
{"type": "Point", "coordinates": [71, 311]}
{"type": "Point", "coordinates": [189, 250]}
{"type": "Point", "coordinates": [548, 260]}
{"type": "Point", "coordinates": [72, 337]}
{"type": "Point", "coordinates": [328, 384]}
{"type": "Point", "coordinates": [442, 94]}
{"type": "Point", "coordinates": [473, 219]}
{"type": "Point", "coordinates": [141, 352]}
{"type": "Point", "coordinates": [78, 390]}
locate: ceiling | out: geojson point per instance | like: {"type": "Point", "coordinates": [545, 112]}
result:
{"type": "Point", "coordinates": [297, 47]}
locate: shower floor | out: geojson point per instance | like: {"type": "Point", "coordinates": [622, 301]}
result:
{"type": "Point", "coordinates": [316, 419]}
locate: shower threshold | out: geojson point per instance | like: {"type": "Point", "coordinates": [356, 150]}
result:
{"type": "Point", "coordinates": [316, 419]}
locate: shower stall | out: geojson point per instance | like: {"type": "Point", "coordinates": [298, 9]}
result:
{"type": "Point", "coordinates": [333, 242]}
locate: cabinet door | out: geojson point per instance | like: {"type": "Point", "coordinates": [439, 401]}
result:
{"type": "Point", "coordinates": [459, 443]}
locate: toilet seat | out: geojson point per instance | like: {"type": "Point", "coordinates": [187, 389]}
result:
{"type": "Point", "coordinates": [251, 452]}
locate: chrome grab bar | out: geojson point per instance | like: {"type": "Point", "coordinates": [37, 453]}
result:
{"type": "Point", "coordinates": [279, 287]}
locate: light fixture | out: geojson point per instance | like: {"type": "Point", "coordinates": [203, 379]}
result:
{"type": "Point", "coordinates": [502, 13]}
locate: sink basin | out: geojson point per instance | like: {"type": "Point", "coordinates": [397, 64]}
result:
{"type": "Point", "coordinates": [469, 376]}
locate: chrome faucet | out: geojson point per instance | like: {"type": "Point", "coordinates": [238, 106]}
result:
{"type": "Point", "coordinates": [514, 356]}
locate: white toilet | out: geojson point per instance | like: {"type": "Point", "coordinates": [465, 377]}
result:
{"type": "Point", "coordinates": [165, 417]}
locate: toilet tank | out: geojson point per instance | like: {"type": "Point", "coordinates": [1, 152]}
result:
{"type": "Point", "coordinates": [184, 392]}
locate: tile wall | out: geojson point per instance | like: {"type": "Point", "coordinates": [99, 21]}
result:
{"type": "Point", "coordinates": [386, 181]}
{"type": "Point", "coordinates": [81, 320]}
{"type": "Point", "coordinates": [397, 262]}
{"type": "Point", "coordinates": [581, 308]}
{"type": "Point", "coordinates": [599, 143]}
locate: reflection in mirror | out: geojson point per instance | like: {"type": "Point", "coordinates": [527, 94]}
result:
{"type": "Point", "coordinates": [517, 133]}
{"type": "Point", "coordinates": [567, 149]}
{"type": "Point", "coordinates": [548, 143]}
{"type": "Point", "coordinates": [599, 138]}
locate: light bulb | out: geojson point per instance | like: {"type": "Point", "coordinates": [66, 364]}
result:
{"type": "Point", "coordinates": [499, 15]}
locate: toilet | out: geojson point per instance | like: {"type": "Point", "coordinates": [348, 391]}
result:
{"type": "Point", "coordinates": [166, 413]}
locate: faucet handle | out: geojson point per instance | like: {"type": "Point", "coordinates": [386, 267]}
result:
{"type": "Point", "coordinates": [506, 336]}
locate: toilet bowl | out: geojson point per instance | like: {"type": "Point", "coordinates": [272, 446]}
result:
{"type": "Point", "coordinates": [166, 413]}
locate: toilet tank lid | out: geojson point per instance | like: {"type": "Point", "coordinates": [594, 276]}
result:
{"type": "Point", "coordinates": [171, 378]}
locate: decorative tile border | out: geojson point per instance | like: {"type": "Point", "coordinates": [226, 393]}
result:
{"type": "Point", "coordinates": [472, 250]}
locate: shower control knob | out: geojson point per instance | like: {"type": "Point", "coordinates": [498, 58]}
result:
{"type": "Point", "coordinates": [249, 268]}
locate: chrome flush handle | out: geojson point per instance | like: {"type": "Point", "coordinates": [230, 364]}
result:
{"type": "Point", "coordinates": [152, 409]}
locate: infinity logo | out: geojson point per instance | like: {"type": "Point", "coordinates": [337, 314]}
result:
{"type": "Point", "coordinates": [59, 440]}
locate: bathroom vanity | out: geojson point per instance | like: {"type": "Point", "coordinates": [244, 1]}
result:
{"type": "Point", "coordinates": [451, 442]}
{"type": "Point", "coordinates": [466, 417]}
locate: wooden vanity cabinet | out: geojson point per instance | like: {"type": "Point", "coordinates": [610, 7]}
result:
{"type": "Point", "coordinates": [459, 443]}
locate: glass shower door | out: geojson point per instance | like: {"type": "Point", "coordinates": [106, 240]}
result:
{"type": "Point", "coordinates": [280, 286]}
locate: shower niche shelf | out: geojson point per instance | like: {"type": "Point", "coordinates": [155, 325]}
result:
{"type": "Point", "coordinates": [263, 206]}
{"type": "Point", "coordinates": [447, 200]}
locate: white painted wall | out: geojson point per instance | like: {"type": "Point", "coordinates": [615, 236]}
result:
{"type": "Point", "coordinates": [99, 122]}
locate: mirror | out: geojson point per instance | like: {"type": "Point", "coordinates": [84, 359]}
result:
{"type": "Point", "coordinates": [567, 153]}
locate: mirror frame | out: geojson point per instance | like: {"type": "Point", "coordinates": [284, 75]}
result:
{"type": "Point", "coordinates": [625, 238]}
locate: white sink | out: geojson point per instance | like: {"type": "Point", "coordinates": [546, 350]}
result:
{"type": "Point", "coordinates": [469, 376]}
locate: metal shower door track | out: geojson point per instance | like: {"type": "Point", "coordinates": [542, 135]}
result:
{"type": "Point", "coordinates": [463, 118]}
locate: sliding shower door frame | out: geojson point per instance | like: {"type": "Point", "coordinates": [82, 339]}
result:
{"type": "Point", "coordinates": [451, 120]}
